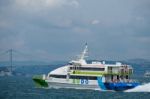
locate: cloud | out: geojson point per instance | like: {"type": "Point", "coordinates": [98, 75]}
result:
{"type": "Point", "coordinates": [80, 30]}
{"type": "Point", "coordinates": [13, 40]}
{"type": "Point", "coordinates": [119, 27]}
{"type": "Point", "coordinates": [5, 24]}
{"type": "Point", "coordinates": [95, 22]}
{"type": "Point", "coordinates": [39, 4]}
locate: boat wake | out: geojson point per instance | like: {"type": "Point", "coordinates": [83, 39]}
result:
{"type": "Point", "coordinates": [141, 88]}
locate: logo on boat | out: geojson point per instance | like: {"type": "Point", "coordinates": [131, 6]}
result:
{"type": "Point", "coordinates": [80, 81]}
{"type": "Point", "coordinates": [84, 81]}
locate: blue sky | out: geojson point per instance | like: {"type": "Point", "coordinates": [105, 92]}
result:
{"type": "Point", "coordinates": [58, 29]}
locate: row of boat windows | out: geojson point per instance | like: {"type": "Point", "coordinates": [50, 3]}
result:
{"type": "Point", "coordinates": [87, 68]}
{"type": "Point", "coordinates": [75, 77]}
{"type": "Point", "coordinates": [85, 77]}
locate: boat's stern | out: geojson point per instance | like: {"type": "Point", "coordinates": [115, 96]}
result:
{"type": "Point", "coordinates": [121, 86]}
{"type": "Point", "coordinates": [39, 81]}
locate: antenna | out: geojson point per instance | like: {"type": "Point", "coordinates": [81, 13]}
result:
{"type": "Point", "coordinates": [80, 60]}
{"type": "Point", "coordinates": [84, 52]}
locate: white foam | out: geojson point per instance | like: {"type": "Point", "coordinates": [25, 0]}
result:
{"type": "Point", "coordinates": [141, 88]}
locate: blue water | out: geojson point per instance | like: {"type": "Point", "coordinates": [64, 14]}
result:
{"type": "Point", "coordinates": [22, 87]}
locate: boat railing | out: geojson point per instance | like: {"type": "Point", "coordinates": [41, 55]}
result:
{"type": "Point", "coordinates": [120, 71]}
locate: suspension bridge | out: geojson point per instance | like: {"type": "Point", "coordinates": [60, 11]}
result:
{"type": "Point", "coordinates": [12, 55]}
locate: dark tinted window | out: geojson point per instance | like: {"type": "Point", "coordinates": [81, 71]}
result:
{"type": "Point", "coordinates": [58, 76]}
{"type": "Point", "coordinates": [87, 68]}
{"type": "Point", "coordinates": [83, 77]}
{"type": "Point", "coordinates": [75, 77]}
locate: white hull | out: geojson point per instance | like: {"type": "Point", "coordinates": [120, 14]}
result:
{"type": "Point", "coordinates": [72, 86]}
{"type": "Point", "coordinates": [63, 83]}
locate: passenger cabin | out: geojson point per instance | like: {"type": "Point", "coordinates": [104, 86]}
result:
{"type": "Point", "coordinates": [111, 72]}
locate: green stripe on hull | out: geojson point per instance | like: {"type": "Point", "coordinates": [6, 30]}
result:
{"type": "Point", "coordinates": [39, 82]}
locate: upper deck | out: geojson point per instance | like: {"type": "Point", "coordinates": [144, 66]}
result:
{"type": "Point", "coordinates": [101, 69]}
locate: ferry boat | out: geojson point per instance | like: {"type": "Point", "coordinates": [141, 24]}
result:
{"type": "Point", "coordinates": [4, 71]}
{"type": "Point", "coordinates": [147, 74]}
{"type": "Point", "coordinates": [79, 74]}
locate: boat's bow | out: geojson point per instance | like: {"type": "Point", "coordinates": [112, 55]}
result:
{"type": "Point", "coordinates": [40, 81]}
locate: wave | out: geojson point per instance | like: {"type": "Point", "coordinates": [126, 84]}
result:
{"type": "Point", "coordinates": [140, 88]}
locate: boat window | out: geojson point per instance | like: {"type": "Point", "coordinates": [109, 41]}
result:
{"type": "Point", "coordinates": [112, 77]}
{"type": "Point", "coordinates": [127, 76]}
{"type": "Point", "coordinates": [58, 76]}
{"type": "Point", "coordinates": [75, 77]}
{"type": "Point", "coordinates": [88, 68]}
{"type": "Point", "coordinates": [117, 77]}
{"type": "Point", "coordinates": [70, 64]}
{"type": "Point", "coordinates": [84, 77]}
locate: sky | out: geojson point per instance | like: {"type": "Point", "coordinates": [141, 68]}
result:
{"type": "Point", "coordinates": [57, 30]}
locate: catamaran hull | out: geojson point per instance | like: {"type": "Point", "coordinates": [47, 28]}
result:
{"type": "Point", "coordinates": [72, 86]}
{"type": "Point", "coordinates": [63, 83]}
{"type": "Point", "coordinates": [98, 85]}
